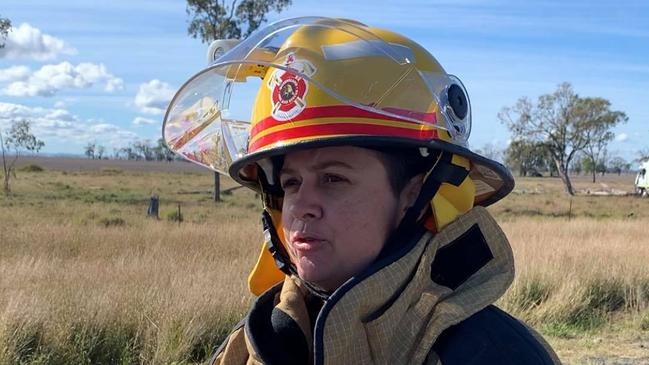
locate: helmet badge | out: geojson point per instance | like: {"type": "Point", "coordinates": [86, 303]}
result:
{"type": "Point", "coordinates": [289, 89]}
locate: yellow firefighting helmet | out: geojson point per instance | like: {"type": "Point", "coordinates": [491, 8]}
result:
{"type": "Point", "coordinates": [315, 82]}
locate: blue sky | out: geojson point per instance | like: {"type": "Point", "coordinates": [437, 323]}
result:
{"type": "Point", "coordinates": [104, 71]}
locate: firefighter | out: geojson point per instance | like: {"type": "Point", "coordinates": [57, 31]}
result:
{"type": "Point", "coordinates": [378, 249]}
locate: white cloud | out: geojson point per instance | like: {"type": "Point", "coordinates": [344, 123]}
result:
{"type": "Point", "coordinates": [154, 96]}
{"type": "Point", "coordinates": [621, 137]}
{"type": "Point", "coordinates": [22, 88]}
{"type": "Point", "coordinates": [60, 114]}
{"type": "Point", "coordinates": [59, 104]}
{"type": "Point", "coordinates": [143, 121]}
{"type": "Point", "coordinates": [104, 128]}
{"type": "Point", "coordinates": [114, 84]}
{"type": "Point", "coordinates": [26, 41]}
{"type": "Point", "coordinates": [50, 79]}
{"type": "Point", "coordinates": [61, 126]}
{"type": "Point", "coordinates": [14, 73]}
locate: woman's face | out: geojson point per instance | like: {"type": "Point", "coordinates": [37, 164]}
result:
{"type": "Point", "coordinates": [338, 211]}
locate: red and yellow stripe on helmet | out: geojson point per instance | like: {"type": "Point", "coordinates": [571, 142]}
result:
{"type": "Point", "coordinates": [323, 122]}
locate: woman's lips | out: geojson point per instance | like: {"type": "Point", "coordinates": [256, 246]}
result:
{"type": "Point", "coordinates": [306, 243]}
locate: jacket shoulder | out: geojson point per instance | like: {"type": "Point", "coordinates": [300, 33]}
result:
{"type": "Point", "coordinates": [236, 343]}
{"type": "Point", "coordinates": [492, 336]}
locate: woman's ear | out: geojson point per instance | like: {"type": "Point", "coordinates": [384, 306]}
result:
{"type": "Point", "coordinates": [409, 194]}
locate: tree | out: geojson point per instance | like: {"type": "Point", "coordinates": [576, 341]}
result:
{"type": "Point", "coordinates": [588, 165]}
{"type": "Point", "coordinates": [89, 150]}
{"type": "Point", "coordinates": [576, 167]}
{"type": "Point", "coordinates": [602, 163]}
{"type": "Point", "coordinates": [618, 165]}
{"type": "Point", "coordinates": [490, 151]}
{"type": "Point", "coordinates": [162, 152]}
{"type": "Point", "coordinates": [213, 19]}
{"type": "Point", "coordinates": [526, 157]}
{"type": "Point", "coordinates": [643, 155]}
{"type": "Point", "coordinates": [5, 26]}
{"type": "Point", "coordinates": [19, 140]}
{"type": "Point", "coordinates": [144, 150]}
{"type": "Point", "coordinates": [598, 134]}
{"type": "Point", "coordinates": [563, 121]}
{"type": "Point", "coordinates": [99, 152]}
{"type": "Point", "coordinates": [128, 153]}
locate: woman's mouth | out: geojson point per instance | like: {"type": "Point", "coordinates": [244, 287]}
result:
{"type": "Point", "coordinates": [306, 243]}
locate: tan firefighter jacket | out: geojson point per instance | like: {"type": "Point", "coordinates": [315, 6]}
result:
{"type": "Point", "coordinates": [427, 303]}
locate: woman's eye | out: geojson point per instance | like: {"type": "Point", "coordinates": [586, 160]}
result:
{"type": "Point", "coordinates": [330, 178]}
{"type": "Point", "coordinates": [289, 182]}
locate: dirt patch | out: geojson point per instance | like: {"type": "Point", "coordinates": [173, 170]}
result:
{"type": "Point", "coordinates": [608, 349]}
{"type": "Point", "coordinates": [604, 192]}
{"type": "Point", "coordinates": [614, 361]}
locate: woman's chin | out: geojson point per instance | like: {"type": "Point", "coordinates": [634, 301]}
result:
{"type": "Point", "coordinates": [308, 270]}
{"type": "Point", "coordinates": [313, 273]}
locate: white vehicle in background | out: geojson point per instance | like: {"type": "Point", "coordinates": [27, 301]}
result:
{"type": "Point", "coordinates": [642, 180]}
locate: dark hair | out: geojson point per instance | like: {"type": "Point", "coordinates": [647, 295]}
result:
{"type": "Point", "coordinates": [402, 164]}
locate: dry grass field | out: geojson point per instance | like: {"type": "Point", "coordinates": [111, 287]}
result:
{"type": "Point", "coordinates": [86, 278]}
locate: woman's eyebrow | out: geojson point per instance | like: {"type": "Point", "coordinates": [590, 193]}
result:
{"type": "Point", "coordinates": [319, 166]}
{"type": "Point", "coordinates": [332, 163]}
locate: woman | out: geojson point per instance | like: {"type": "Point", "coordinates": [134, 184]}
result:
{"type": "Point", "coordinates": [378, 249]}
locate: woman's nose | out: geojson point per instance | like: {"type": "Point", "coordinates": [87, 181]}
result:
{"type": "Point", "coordinates": [305, 204]}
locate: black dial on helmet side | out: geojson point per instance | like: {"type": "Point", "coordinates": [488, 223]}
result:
{"type": "Point", "coordinates": [457, 101]}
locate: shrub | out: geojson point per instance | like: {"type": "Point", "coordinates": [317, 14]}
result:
{"type": "Point", "coordinates": [110, 171]}
{"type": "Point", "coordinates": [606, 295]}
{"type": "Point", "coordinates": [594, 301]}
{"type": "Point", "coordinates": [112, 222]}
{"type": "Point", "coordinates": [644, 322]}
{"type": "Point", "coordinates": [200, 218]}
{"type": "Point", "coordinates": [32, 168]}
{"type": "Point", "coordinates": [558, 329]}
{"type": "Point", "coordinates": [174, 216]}
{"type": "Point", "coordinates": [88, 344]}
{"type": "Point", "coordinates": [530, 293]}
{"type": "Point", "coordinates": [25, 345]}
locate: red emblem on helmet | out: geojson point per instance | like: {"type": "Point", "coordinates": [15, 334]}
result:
{"type": "Point", "coordinates": [289, 89]}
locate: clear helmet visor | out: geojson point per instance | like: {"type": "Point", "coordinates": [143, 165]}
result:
{"type": "Point", "coordinates": [299, 66]}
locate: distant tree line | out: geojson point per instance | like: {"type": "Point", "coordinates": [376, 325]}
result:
{"type": "Point", "coordinates": [137, 151]}
{"type": "Point", "coordinates": [531, 159]}
{"type": "Point", "coordinates": [528, 160]}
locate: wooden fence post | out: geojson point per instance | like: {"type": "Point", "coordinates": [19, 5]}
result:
{"type": "Point", "coordinates": [217, 187]}
{"type": "Point", "coordinates": [154, 205]}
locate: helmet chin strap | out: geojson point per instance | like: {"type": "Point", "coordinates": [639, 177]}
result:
{"type": "Point", "coordinates": [444, 171]}
{"type": "Point", "coordinates": [278, 251]}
